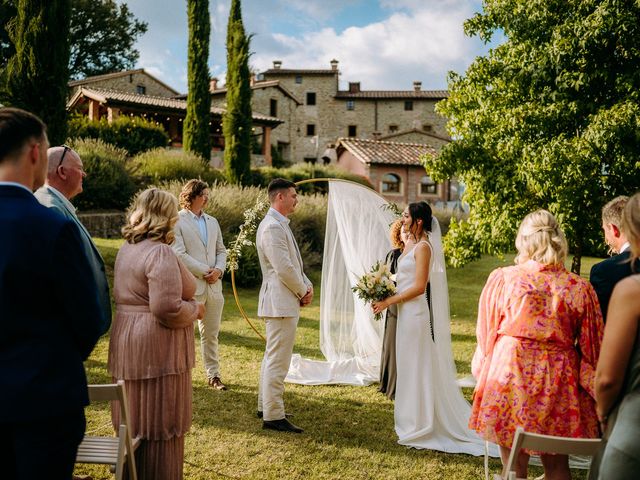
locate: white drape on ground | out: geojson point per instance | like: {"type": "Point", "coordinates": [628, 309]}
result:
{"type": "Point", "coordinates": [350, 339]}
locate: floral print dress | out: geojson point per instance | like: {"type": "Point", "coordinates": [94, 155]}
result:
{"type": "Point", "coordinates": [539, 333]}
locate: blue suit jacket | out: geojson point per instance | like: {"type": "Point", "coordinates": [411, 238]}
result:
{"type": "Point", "coordinates": [48, 198]}
{"type": "Point", "coordinates": [50, 317]}
{"type": "Point", "coordinates": [606, 274]}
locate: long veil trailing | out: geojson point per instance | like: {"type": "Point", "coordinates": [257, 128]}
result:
{"type": "Point", "coordinates": [350, 339]}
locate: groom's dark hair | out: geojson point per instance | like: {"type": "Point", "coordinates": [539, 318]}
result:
{"type": "Point", "coordinates": [277, 185]}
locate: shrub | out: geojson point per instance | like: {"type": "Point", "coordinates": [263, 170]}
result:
{"type": "Point", "coordinates": [108, 184]}
{"type": "Point", "coordinates": [134, 134]}
{"type": "Point", "coordinates": [162, 165]}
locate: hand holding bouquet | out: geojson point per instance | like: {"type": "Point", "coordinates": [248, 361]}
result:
{"type": "Point", "coordinates": [375, 285]}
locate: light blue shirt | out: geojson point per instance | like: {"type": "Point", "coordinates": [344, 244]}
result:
{"type": "Point", "coordinates": [202, 225]}
{"type": "Point", "coordinates": [279, 216]}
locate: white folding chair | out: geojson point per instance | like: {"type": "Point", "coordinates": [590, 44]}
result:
{"type": "Point", "coordinates": [114, 451]}
{"type": "Point", "coordinates": [548, 444]}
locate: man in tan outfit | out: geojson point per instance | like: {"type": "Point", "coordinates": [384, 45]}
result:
{"type": "Point", "coordinates": [199, 245]}
{"type": "Point", "coordinates": [285, 288]}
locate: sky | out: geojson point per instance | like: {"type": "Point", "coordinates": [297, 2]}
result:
{"type": "Point", "coordinates": [383, 44]}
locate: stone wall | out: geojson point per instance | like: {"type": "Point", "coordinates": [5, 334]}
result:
{"type": "Point", "coordinates": [103, 225]}
{"type": "Point", "coordinates": [129, 83]}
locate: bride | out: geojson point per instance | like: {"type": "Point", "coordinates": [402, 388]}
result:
{"type": "Point", "coordinates": [430, 411]}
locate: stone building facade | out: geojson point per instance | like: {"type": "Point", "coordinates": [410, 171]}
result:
{"type": "Point", "coordinates": [326, 113]}
{"type": "Point", "coordinates": [129, 81]}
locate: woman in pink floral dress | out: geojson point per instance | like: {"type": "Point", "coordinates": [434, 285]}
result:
{"type": "Point", "coordinates": [539, 332]}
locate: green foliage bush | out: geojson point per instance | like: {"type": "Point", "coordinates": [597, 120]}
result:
{"type": "Point", "coordinates": [134, 134]}
{"type": "Point", "coordinates": [162, 165]}
{"type": "Point", "coordinates": [108, 184]}
{"type": "Point", "coordinates": [263, 175]}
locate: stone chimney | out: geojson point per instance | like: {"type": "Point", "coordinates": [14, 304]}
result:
{"type": "Point", "coordinates": [334, 64]}
{"type": "Point", "coordinates": [277, 64]}
{"type": "Point", "coordinates": [213, 84]}
{"type": "Point", "coordinates": [354, 87]}
{"type": "Point", "coordinates": [417, 86]}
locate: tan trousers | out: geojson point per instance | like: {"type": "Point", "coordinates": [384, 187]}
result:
{"type": "Point", "coordinates": [209, 327]}
{"type": "Point", "coordinates": [281, 335]}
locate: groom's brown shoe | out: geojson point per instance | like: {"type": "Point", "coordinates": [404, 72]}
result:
{"type": "Point", "coordinates": [283, 425]}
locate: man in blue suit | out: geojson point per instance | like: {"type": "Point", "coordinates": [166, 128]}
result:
{"type": "Point", "coordinates": [64, 181]}
{"type": "Point", "coordinates": [606, 274]}
{"type": "Point", "coordinates": [50, 317]}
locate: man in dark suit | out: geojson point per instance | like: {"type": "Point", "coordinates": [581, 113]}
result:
{"type": "Point", "coordinates": [606, 274]}
{"type": "Point", "coordinates": [64, 181]}
{"type": "Point", "coordinates": [50, 316]}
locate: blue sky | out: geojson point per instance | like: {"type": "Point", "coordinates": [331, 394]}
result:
{"type": "Point", "coordinates": [384, 44]}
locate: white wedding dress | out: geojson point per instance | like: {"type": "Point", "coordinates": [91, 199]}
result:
{"type": "Point", "coordinates": [430, 411]}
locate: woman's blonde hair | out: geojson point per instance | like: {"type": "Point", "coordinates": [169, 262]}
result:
{"type": "Point", "coordinates": [395, 233]}
{"type": "Point", "coordinates": [541, 239]}
{"type": "Point", "coordinates": [631, 225]}
{"type": "Point", "coordinates": [152, 215]}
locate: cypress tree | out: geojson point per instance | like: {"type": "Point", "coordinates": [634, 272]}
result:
{"type": "Point", "coordinates": [37, 74]}
{"type": "Point", "coordinates": [237, 122]}
{"type": "Point", "coordinates": [197, 131]}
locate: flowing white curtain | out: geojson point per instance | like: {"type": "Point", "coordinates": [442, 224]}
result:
{"type": "Point", "coordinates": [357, 235]}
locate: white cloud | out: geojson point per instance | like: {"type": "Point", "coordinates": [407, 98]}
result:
{"type": "Point", "coordinates": [418, 39]}
{"type": "Point", "coordinates": [421, 45]}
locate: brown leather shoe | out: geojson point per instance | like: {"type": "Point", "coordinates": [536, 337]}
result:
{"type": "Point", "coordinates": [217, 384]}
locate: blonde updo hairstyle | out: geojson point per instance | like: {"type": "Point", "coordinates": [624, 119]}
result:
{"type": "Point", "coordinates": [395, 234]}
{"type": "Point", "coordinates": [541, 239]}
{"type": "Point", "coordinates": [631, 226]}
{"type": "Point", "coordinates": [152, 215]}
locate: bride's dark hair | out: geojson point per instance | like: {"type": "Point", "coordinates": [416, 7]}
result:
{"type": "Point", "coordinates": [420, 211]}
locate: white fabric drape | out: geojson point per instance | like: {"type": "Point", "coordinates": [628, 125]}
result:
{"type": "Point", "coordinates": [350, 339]}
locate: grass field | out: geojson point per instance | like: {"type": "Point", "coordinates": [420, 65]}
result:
{"type": "Point", "coordinates": [348, 430]}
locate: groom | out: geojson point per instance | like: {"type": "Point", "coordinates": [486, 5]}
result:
{"type": "Point", "coordinates": [285, 288]}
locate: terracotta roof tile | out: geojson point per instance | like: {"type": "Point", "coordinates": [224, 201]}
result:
{"type": "Point", "coordinates": [117, 97]}
{"type": "Point", "coordinates": [385, 153]}
{"type": "Point", "coordinates": [389, 94]}
{"type": "Point", "coordinates": [299, 71]}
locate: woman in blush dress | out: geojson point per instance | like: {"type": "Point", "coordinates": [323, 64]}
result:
{"type": "Point", "coordinates": [539, 332]}
{"type": "Point", "coordinates": [430, 411]}
{"type": "Point", "coordinates": [618, 371]}
{"type": "Point", "coordinates": [151, 346]}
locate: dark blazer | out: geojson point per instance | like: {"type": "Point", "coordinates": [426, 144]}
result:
{"type": "Point", "coordinates": [50, 317]}
{"type": "Point", "coordinates": [606, 274]}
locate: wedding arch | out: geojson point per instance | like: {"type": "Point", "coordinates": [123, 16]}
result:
{"type": "Point", "coordinates": [356, 236]}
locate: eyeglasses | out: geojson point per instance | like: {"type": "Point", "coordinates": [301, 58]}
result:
{"type": "Point", "coordinates": [64, 152]}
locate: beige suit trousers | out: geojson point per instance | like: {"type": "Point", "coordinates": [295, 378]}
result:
{"type": "Point", "coordinates": [209, 327]}
{"type": "Point", "coordinates": [281, 335]}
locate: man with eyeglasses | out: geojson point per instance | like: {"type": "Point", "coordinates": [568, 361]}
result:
{"type": "Point", "coordinates": [50, 317]}
{"type": "Point", "coordinates": [64, 181]}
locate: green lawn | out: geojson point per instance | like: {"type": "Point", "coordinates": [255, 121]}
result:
{"type": "Point", "coordinates": [348, 430]}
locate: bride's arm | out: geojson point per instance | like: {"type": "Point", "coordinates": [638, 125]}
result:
{"type": "Point", "coordinates": [422, 255]}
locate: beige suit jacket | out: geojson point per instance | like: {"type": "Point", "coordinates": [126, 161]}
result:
{"type": "Point", "coordinates": [198, 257]}
{"type": "Point", "coordinates": [283, 280]}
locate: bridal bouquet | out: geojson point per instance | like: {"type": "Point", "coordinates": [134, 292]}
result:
{"type": "Point", "coordinates": [375, 285]}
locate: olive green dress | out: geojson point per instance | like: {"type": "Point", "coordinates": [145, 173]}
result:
{"type": "Point", "coordinates": [388, 358]}
{"type": "Point", "coordinates": [619, 459]}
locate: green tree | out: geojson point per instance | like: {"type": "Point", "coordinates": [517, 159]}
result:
{"type": "Point", "coordinates": [102, 36]}
{"type": "Point", "coordinates": [548, 119]}
{"type": "Point", "coordinates": [37, 74]}
{"type": "Point", "coordinates": [237, 121]}
{"type": "Point", "coordinates": [197, 136]}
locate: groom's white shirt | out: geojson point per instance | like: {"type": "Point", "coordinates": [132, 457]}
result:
{"type": "Point", "coordinates": [283, 280]}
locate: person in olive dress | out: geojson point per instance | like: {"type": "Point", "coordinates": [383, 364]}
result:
{"type": "Point", "coordinates": [388, 358]}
